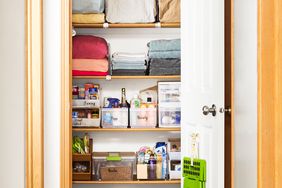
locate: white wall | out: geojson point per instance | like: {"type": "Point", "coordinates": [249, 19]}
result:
{"type": "Point", "coordinates": [52, 63]}
{"type": "Point", "coordinates": [12, 95]}
{"type": "Point", "coordinates": [245, 97]}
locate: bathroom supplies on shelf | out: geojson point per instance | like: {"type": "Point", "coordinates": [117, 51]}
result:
{"type": "Point", "coordinates": [152, 163]}
{"type": "Point", "coordinates": [169, 104]}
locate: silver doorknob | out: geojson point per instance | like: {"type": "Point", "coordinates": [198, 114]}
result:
{"type": "Point", "coordinates": [207, 110]}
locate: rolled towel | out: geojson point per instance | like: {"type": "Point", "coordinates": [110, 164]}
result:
{"type": "Point", "coordinates": [88, 6]}
{"type": "Point", "coordinates": [164, 45]}
{"type": "Point", "coordinates": [89, 47]}
{"type": "Point", "coordinates": [165, 54]}
{"type": "Point", "coordinates": [99, 65]}
{"type": "Point", "coordinates": [88, 18]}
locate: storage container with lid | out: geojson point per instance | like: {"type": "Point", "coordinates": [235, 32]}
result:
{"type": "Point", "coordinates": [169, 117]}
{"type": "Point", "coordinates": [114, 166]}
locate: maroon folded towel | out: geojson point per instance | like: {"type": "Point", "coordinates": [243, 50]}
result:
{"type": "Point", "coordinates": [89, 47]}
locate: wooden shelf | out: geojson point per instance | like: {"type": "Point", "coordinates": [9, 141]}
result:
{"type": "Point", "coordinates": [130, 182]}
{"type": "Point", "coordinates": [124, 25]}
{"type": "Point", "coordinates": [178, 77]}
{"type": "Point", "coordinates": [125, 129]}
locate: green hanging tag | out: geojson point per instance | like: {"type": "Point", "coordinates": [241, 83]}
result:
{"type": "Point", "coordinates": [189, 183]}
{"type": "Point", "coordinates": [197, 171]}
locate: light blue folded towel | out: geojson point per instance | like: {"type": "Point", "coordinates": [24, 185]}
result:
{"type": "Point", "coordinates": [165, 54]}
{"type": "Point", "coordinates": [88, 6]}
{"type": "Point", "coordinates": [164, 45]}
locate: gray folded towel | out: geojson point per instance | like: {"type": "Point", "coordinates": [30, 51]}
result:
{"type": "Point", "coordinates": [164, 45]}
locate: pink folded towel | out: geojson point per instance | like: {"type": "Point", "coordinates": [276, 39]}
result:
{"type": "Point", "coordinates": [89, 47]}
{"type": "Point", "coordinates": [99, 65]}
{"type": "Point", "coordinates": [88, 73]}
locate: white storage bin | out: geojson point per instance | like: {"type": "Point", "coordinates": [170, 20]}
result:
{"type": "Point", "coordinates": [169, 92]}
{"type": "Point", "coordinates": [143, 117]}
{"type": "Point", "coordinates": [80, 103]}
{"type": "Point", "coordinates": [85, 122]}
{"type": "Point", "coordinates": [169, 117]}
{"type": "Point", "coordinates": [88, 6]}
{"type": "Point", "coordinates": [114, 117]}
{"type": "Point", "coordinates": [131, 11]}
{"type": "Point", "coordinates": [174, 169]}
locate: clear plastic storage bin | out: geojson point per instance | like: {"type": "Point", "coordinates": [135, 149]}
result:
{"type": "Point", "coordinates": [114, 166]}
{"type": "Point", "coordinates": [143, 117]}
{"type": "Point", "coordinates": [115, 117]}
{"type": "Point", "coordinates": [169, 117]}
{"type": "Point", "coordinates": [169, 92]}
{"type": "Point", "coordinates": [86, 117]}
{"type": "Point", "coordinates": [80, 103]}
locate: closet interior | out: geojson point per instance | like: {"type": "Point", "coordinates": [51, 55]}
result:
{"type": "Point", "coordinates": [126, 108]}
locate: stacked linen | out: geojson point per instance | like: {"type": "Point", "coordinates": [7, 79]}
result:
{"type": "Point", "coordinates": [131, 11]}
{"type": "Point", "coordinates": [88, 11]}
{"type": "Point", "coordinates": [169, 10]}
{"type": "Point", "coordinates": [128, 64]}
{"type": "Point", "coordinates": [164, 57]}
{"type": "Point", "coordinates": [89, 56]}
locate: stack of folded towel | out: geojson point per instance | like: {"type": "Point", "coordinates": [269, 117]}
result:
{"type": "Point", "coordinates": [132, 64]}
{"type": "Point", "coordinates": [88, 11]}
{"type": "Point", "coordinates": [90, 56]}
{"type": "Point", "coordinates": [164, 57]}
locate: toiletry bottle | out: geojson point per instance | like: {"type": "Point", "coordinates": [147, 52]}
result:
{"type": "Point", "coordinates": [152, 167]}
{"type": "Point", "coordinates": [123, 99]}
{"type": "Point", "coordinates": [164, 166]}
{"type": "Point", "coordinates": [135, 102]}
{"type": "Point", "coordinates": [159, 166]}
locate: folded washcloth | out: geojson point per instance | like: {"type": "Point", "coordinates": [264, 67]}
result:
{"type": "Point", "coordinates": [100, 65]}
{"type": "Point", "coordinates": [126, 72]}
{"type": "Point", "coordinates": [88, 73]}
{"type": "Point", "coordinates": [165, 54]}
{"type": "Point", "coordinates": [88, 18]}
{"type": "Point", "coordinates": [164, 71]}
{"type": "Point", "coordinates": [88, 6]}
{"type": "Point", "coordinates": [164, 63]}
{"type": "Point", "coordinates": [89, 47]}
{"type": "Point", "coordinates": [142, 67]}
{"type": "Point", "coordinates": [164, 45]}
{"type": "Point", "coordinates": [131, 57]}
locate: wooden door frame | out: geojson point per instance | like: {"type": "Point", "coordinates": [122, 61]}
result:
{"type": "Point", "coordinates": [34, 155]}
{"type": "Point", "coordinates": [269, 93]}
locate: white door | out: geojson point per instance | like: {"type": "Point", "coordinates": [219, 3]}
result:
{"type": "Point", "coordinates": [202, 36]}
